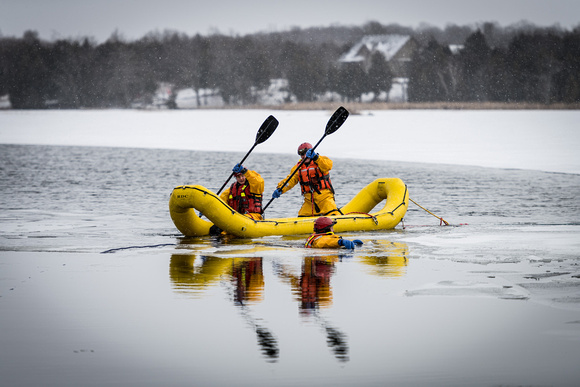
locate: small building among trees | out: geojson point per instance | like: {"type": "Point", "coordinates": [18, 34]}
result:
{"type": "Point", "coordinates": [385, 59]}
{"type": "Point", "coordinates": [397, 51]}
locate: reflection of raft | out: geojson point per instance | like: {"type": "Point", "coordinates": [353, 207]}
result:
{"type": "Point", "coordinates": [390, 262]}
{"type": "Point", "coordinates": [246, 273]}
{"type": "Point", "coordinates": [186, 200]}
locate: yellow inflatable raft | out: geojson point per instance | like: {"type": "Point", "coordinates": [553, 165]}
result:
{"type": "Point", "coordinates": [186, 200]}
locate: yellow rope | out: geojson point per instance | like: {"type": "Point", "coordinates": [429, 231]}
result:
{"type": "Point", "coordinates": [438, 217]}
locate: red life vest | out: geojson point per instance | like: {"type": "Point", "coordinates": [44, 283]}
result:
{"type": "Point", "coordinates": [244, 201]}
{"type": "Point", "coordinates": [312, 179]}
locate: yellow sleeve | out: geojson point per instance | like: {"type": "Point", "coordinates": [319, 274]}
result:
{"type": "Point", "coordinates": [326, 241]}
{"type": "Point", "coordinates": [324, 163]}
{"type": "Point", "coordinates": [225, 194]}
{"type": "Point", "coordinates": [256, 182]}
{"type": "Point", "coordinates": [291, 183]}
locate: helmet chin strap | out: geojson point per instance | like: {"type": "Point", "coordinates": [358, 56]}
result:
{"type": "Point", "coordinates": [325, 231]}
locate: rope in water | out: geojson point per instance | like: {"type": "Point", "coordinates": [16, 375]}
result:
{"type": "Point", "coordinates": [441, 220]}
{"type": "Point", "coordinates": [136, 247]}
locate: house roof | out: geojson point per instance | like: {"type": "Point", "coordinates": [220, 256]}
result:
{"type": "Point", "coordinates": [456, 48]}
{"type": "Point", "coordinates": [388, 45]}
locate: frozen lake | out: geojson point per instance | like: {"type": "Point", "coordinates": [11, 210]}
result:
{"type": "Point", "coordinates": [544, 140]}
{"type": "Point", "coordinates": [492, 300]}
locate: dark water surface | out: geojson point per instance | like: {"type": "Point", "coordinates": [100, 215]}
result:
{"type": "Point", "coordinates": [492, 300]}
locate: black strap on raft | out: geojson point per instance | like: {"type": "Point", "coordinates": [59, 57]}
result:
{"type": "Point", "coordinates": [374, 218]}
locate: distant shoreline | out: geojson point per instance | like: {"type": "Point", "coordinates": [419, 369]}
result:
{"type": "Point", "coordinates": [358, 106]}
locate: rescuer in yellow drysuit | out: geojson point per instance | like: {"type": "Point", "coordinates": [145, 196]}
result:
{"type": "Point", "coordinates": [245, 195]}
{"type": "Point", "coordinates": [324, 236]}
{"type": "Point", "coordinates": [314, 179]}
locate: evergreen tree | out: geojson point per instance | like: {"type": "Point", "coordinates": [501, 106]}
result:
{"type": "Point", "coordinates": [380, 77]}
{"type": "Point", "coordinates": [353, 81]}
{"type": "Point", "coordinates": [567, 79]}
{"type": "Point", "coordinates": [433, 75]}
{"type": "Point", "coordinates": [27, 73]}
{"type": "Point", "coordinates": [305, 72]}
{"type": "Point", "coordinates": [500, 77]}
{"type": "Point", "coordinates": [474, 62]}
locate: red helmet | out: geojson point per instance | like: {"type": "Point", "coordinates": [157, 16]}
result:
{"type": "Point", "coordinates": [304, 147]}
{"type": "Point", "coordinates": [323, 223]}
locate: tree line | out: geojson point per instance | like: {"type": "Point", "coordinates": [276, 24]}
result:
{"type": "Point", "coordinates": [538, 67]}
{"type": "Point", "coordinates": [523, 64]}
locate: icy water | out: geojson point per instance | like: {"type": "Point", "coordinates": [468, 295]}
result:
{"type": "Point", "coordinates": [99, 288]}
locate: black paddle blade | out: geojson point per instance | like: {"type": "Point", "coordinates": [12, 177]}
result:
{"type": "Point", "coordinates": [266, 130]}
{"type": "Point", "coordinates": [336, 121]}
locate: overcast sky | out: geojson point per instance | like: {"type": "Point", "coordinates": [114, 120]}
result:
{"type": "Point", "coordinates": [61, 19]}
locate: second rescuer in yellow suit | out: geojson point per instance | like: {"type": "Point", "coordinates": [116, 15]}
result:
{"type": "Point", "coordinates": [314, 179]}
{"type": "Point", "coordinates": [324, 236]}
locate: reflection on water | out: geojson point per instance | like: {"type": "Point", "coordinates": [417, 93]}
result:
{"type": "Point", "coordinates": [266, 340]}
{"type": "Point", "coordinates": [246, 280]}
{"type": "Point", "coordinates": [312, 290]}
{"type": "Point", "coordinates": [311, 285]}
{"type": "Point", "coordinates": [392, 261]}
{"type": "Point", "coordinates": [191, 278]}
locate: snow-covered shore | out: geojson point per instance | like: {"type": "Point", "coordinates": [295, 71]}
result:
{"type": "Point", "coordinates": [546, 140]}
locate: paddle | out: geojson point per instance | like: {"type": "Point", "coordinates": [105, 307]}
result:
{"type": "Point", "coordinates": [264, 133]}
{"type": "Point", "coordinates": [266, 129]}
{"type": "Point", "coordinates": [335, 122]}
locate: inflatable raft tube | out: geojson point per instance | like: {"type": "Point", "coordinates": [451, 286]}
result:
{"type": "Point", "coordinates": [187, 200]}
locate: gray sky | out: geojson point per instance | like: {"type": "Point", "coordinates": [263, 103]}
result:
{"type": "Point", "coordinates": [60, 19]}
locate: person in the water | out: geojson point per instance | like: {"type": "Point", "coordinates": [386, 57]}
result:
{"type": "Point", "coordinates": [324, 236]}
